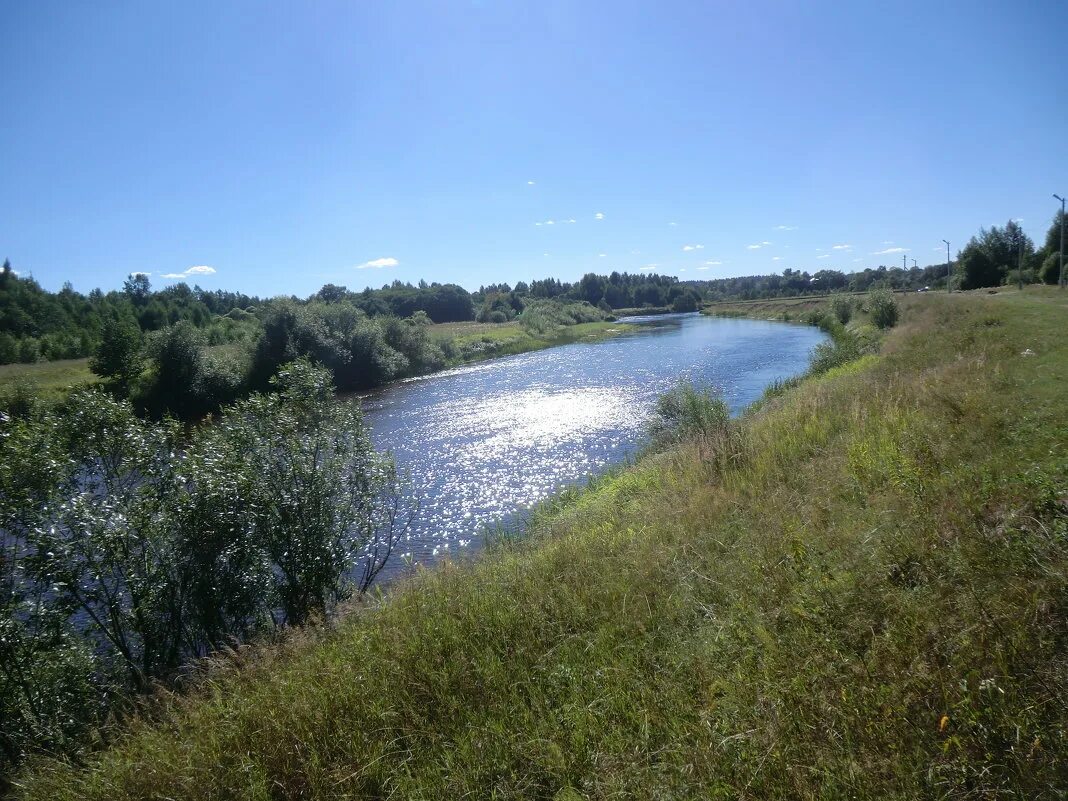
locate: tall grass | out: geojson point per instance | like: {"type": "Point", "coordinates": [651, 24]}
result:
{"type": "Point", "coordinates": [868, 603]}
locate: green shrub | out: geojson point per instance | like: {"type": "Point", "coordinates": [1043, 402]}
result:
{"type": "Point", "coordinates": [882, 306]}
{"type": "Point", "coordinates": [1051, 269]}
{"type": "Point", "coordinates": [689, 411]}
{"type": "Point", "coordinates": [842, 308]}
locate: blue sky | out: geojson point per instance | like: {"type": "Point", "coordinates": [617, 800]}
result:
{"type": "Point", "coordinates": [278, 147]}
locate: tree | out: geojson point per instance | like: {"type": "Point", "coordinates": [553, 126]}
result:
{"type": "Point", "coordinates": [977, 268]}
{"type": "Point", "coordinates": [118, 357]}
{"type": "Point", "coordinates": [137, 288]}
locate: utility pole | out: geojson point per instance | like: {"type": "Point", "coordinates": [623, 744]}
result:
{"type": "Point", "coordinates": [949, 286]}
{"type": "Point", "coordinates": [1060, 279]}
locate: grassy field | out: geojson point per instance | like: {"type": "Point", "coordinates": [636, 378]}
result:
{"type": "Point", "coordinates": [859, 592]}
{"type": "Point", "coordinates": [51, 379]}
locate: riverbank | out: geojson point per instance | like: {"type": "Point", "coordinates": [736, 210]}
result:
{"type": "Point", "coordinates": [478, 341]}
{"type": "Point", "coordinates": [857, 592]}
{"type": "Point", "coordinates": [473, 342]}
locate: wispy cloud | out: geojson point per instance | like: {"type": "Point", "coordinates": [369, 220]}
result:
{"type": "Point", "coordinates": [649, 267]}
{"type": "Point", "coordinates": [888, 251]}
{"type": "Point", "coordinates": [688, 248]}
{"type": "Point", "coordinates": [702, 268]}
{"type": "Point", "coordinates": [841, 247]}
{"type": "Point", "coordinates": [602, 255]}
{"type": "Point", "coordinates": [855, 261]}
{"type": "Point", "coordinates": [776, 258]}
{"type": "Point", "coordinates": [754, 247]}
{"type": "Point", "coordinates": [200, 269]}
{"type": "Point", "coordinates": [682, 269]}
{"type": "Point", "coordinates": [673, 223]}
{"type": "Point", "coordinates": [713, 263]}
{"type": "Point", "coordinates": [599, 215]}
{"type": "Point", "coordinates": [530, 183]}
{"type": "Point", "coordinates": [824, 256]}
{"type": "Point", "coordinates": [888, 241]}
{"type": "Point", "coordinates": [786, 227]}
{"type": "Point", "coordinates": [378, 264]}
{"type": "Point", "coordinates": [571, 220]}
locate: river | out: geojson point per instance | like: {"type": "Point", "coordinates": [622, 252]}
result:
{"type": "Point", "coordinates": [485, 441]}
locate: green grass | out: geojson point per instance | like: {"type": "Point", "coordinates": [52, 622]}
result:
{"type": "Point", "coordinates": [51, 379]}
{"type": "Point", "coordinates": [864, 598]}
{"type": "Point", "coordinates": [477, 341]}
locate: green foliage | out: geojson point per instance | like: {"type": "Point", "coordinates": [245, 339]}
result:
{"type": "Point", "coordinates": [1051, 268]}
{"type": "Point", "coordinates": [544, 317]}
{"type": "Point", "coordinates": [131, 547]}
{"type": "Point", "coordinates": [118, 356]}
{"type": "Point", "coordinates": [688, 412]}
{"type": "Point", "coordinates": [882, 307]}
{"type": "Point", "coordinates": [842, 308]}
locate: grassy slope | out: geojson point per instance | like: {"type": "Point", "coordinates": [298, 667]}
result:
{"type": "Point", "coordinates": [862, 596]}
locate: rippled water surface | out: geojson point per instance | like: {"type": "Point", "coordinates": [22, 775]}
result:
{"type": "Point", "coordinates": [483, 442]}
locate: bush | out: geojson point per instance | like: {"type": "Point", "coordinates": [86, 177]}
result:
{"type": "Point", "coordinates": [118, 357]}
{"type": "Point", "coordinates": [842, 308]}
{"type": "Point", "coordinates": [882, 306]}
{"type": "Point", "coordinates": [139, 547]}
{"type": "Point", "coordinates": [1051, 268]}
{"type": "Point", "coordinates": [688, 412]}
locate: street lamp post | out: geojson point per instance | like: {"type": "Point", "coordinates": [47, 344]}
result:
{"type": "Point", "coordinates": [949, 286]}
{"type": "Point", "coordinates": [1060, 275]}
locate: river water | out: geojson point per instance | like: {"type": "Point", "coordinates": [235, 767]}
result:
{"type": "Point", "coordinates": [483, 442]}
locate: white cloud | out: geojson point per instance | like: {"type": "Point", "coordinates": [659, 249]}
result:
{"type": "Point", "coordinates": [702, 268]}
{"type": "Point", "coordinates": [200, 269]}
{"type": "Point", "coordinates": [602, 255]}
{"type": "Point", "coordinates": [855, 261]}
{"type": "Point", "coordinates": [682, 269]}
{"type": "Point", "coordinates": [649, 267]}
{"type": "Point", "coordinates": [530, 183]}
{"type": "Point", "coordinates": [765, 243]}
{"type": "Point", "coordinates": [571, 220]}
{"type": "Point", "coordinates": [785, 227]}
{"type": "Point", "coordinates": [672, 223]}
{"type": "Point", "coordinates": [776, 258]}
{"type": "Point", "coordinates": [599, 215]}
{"type": "Point", "coordinates": [544, 254]}
{"type": "Point", "coordinates": [887, 242]}
{"type": "Point", "coordinates": [753, 247]}
{"type": "Point", "coordinates": [842, 247]}
{"type": "Point", "coordinates": [378, 264]}
{"type": "Point", "coordinates": [550, 222]}
{"type": "Point", "coordinates": [1017, 219]}
{"type": "Point", "coordinates": [713, 263]}
{"type": "Point", "coordinates": [688, 248]}
{"type": "Point", "coordinates": [824, 256]}
{"type": "Point", "coordinates": [538, 224]}
{"type": "Point", "coordinates": [888, 251]}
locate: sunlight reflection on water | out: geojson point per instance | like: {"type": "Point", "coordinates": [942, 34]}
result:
{"type": "Point", "coordinates": [485, 441]}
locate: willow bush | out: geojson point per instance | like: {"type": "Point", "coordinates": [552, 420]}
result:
{"type": "Point", "coordinates": [129, 548]}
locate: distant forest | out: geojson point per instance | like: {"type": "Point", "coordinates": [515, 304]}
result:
{"type": "Point", "coordinates": [38, 325]}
